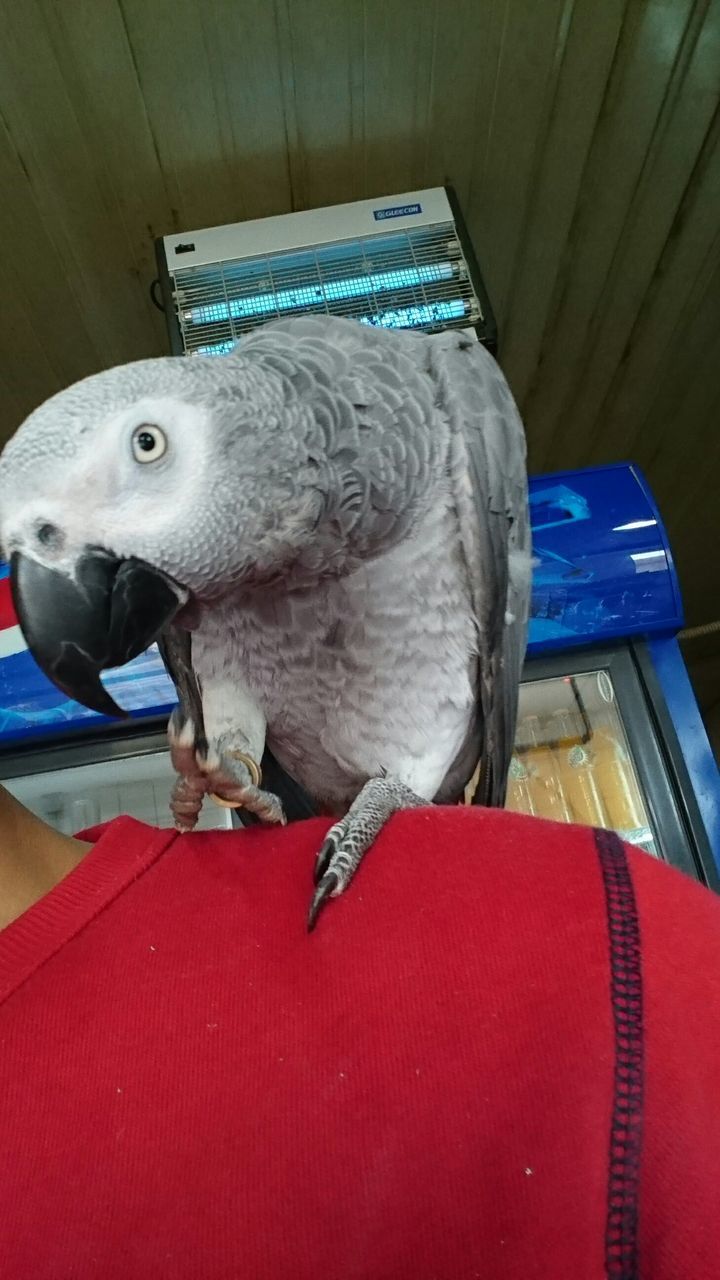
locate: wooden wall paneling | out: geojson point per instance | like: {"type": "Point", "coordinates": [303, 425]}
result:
{"type": "Point", "coordinates": [676, 315]}
{"type": "Point", "coordinates": [684, 468]}
{"type": "Point", "coordinates": [322, 55]}
{"type": "Point", "coordinates": [61, 171]}
{"type": "Point", "coordinates": [696, 556]}
{"type": "Point", "coordinates": [60, 347]}
{"type": "Point", "coordinates": [681, 435]}
{"type": "Point", "coordinates": [651, 37]}
{"type": "Point", "coordinates": [90, 44]}
{"type": "Point", "coordinates": [529, 58]}
{"type": "Point", "coordinates": [398, 58]}
{"type": "Point", "coordinates": [27, 377]}
{"type": "Point", "coordinates": [682, 420]}
{"type": "Point", "coordinates": [14, 407]}
{"type": "Point", "coordinates": [173, 69]}
{"type": "Point", "coordinates": [585, 63]}
{"type": "Point", "coordinates": [682, 426]}
{"type": "Point", "coordinates": [674, 163]}
{"type": "Point", "coordinates": [178, 47]}
{"type": "Point", "coordinates": [466, 45]}
{"type": "Point", "coordinates": [244, 63]}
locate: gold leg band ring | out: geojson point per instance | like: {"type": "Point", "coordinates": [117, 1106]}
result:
{"type": "Point", "coordinates": [255, 778]}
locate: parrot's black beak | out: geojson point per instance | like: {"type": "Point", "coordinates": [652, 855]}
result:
{"type": "Point", "coordinates": [102, 616]}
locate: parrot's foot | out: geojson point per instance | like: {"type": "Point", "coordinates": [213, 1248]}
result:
{"type": "Point", "coordinates": [218, 771]}
{"type": "Point", "coordinates": [349, 840]}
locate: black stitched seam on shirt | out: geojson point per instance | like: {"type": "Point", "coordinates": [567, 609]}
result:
{"type": "Point", "coordinates": [626, 994]}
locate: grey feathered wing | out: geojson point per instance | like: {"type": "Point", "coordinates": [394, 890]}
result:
{"type": "Point", "coordinates": [489, 477]}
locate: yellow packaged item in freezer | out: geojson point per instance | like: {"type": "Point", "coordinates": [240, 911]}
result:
{"type": "Point", "coordinates": [519, 796]}
{"type": "Point", "coordinates": [616, 778]}
{"type": "Point", "coordinates": [544, 783]}
{"type": "Point", "coordinates": [576, 769]}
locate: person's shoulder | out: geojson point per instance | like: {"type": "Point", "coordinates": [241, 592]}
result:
{"type": "Point", "coordinates": [440, 859]}
{"type": "Point", "coordinates": [495, 841]}
{"type": "Point", "coordinates": [498, 845]}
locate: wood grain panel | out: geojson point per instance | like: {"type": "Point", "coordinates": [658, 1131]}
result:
{"type": "Point", "coordinates": [85, 229]}
{"type": "Point", "coordinates": [673, 166]}
{"type": "Point", "coordinates": [530, 55]}
{"type": "Point", "coordinates": [586, 59]}
{"type": "Point", "coordinates": [650, 46]}
{"type": "Point", "coordinates": [322, 53]}
{"type": "Point", "coordinates": [462, 89]}
{"type": "Point", "coordinates": [37, 286]}
{"type": "Point", "coordinates": [397, 92]}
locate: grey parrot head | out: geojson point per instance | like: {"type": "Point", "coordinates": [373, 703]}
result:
{"type": "Point", "coordinates": [144, 491]}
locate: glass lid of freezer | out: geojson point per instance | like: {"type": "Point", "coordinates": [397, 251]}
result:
{"type": "Point", "coordinates": [572, 762]}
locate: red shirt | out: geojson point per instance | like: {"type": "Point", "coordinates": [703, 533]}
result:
{"type": "Point", "coordinates": [497, 1056]}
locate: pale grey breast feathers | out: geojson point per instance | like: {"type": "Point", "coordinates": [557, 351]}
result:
{"type": "Point", "coordinates": [395, 411]}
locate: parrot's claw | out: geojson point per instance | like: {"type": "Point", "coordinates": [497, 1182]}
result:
{"type": "Point", "coordinates": [213, 771]}
{"type": "Point", "coordinates": [322, 860]}
{"type": "Point", "coordinates": [349, 839]}
{"type": "Point", "coordinates": [326, 888]}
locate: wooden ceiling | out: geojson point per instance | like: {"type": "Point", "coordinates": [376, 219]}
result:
{"type": "Point", "coordinates": [581, 137]}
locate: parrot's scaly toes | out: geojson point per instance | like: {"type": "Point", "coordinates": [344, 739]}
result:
{"type": "Point", "coordinates": [230, 782]}
{"type": "Point", "coordinates": [348, 840]}
{"type": "Point", "coordinates": [330, 844]}
{"type": "Point", "coordinates": [190, 787]}
{"type": "Point", "coordinates": [186, 801]}
{"type": "Point", "coordinates": [185, 814]}
{"type": "Point", "coordinates": [327, 888]}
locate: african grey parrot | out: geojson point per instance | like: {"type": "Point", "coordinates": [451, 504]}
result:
{"type": "Point", "coordinates": [328, 526]}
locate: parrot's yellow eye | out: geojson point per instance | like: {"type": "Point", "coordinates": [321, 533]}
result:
{"type": "Point", "coordinates": [148, 443]}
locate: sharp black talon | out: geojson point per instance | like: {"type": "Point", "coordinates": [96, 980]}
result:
{"type": "Point", "coordinates": [321, 862]}
{"type": "Point", "coordinates": [325, 889]}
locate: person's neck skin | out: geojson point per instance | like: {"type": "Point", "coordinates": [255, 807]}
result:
{"type": "Point", "coordinates": [33, 858]}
